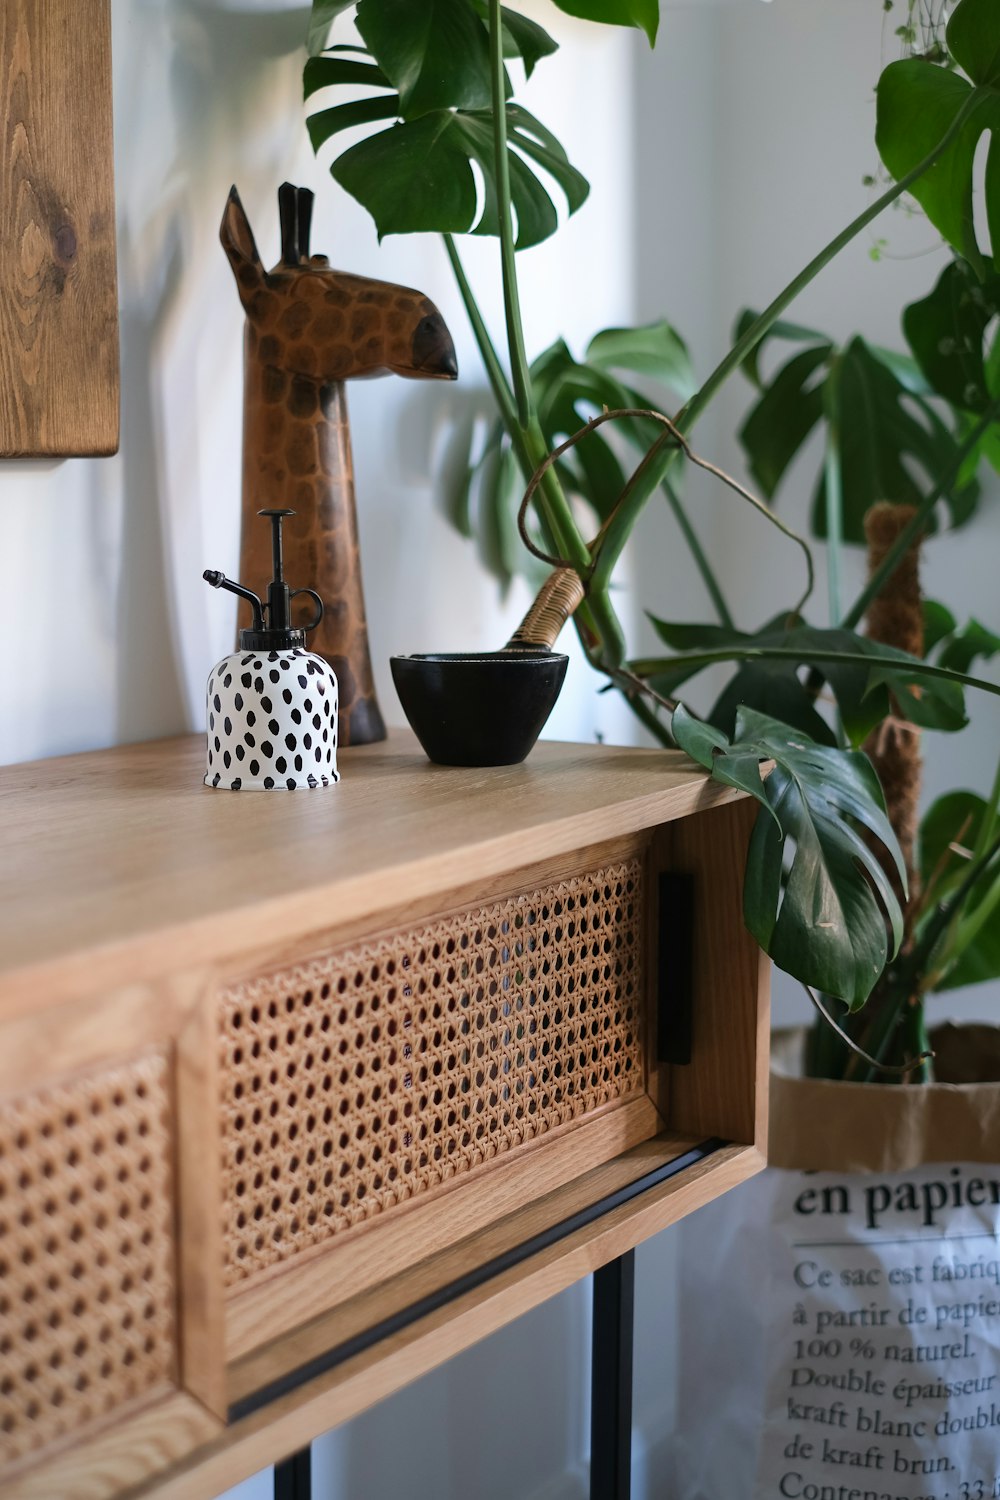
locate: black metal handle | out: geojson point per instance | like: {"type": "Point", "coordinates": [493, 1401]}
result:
{"type": "Point", "coordinates": [319, 607]}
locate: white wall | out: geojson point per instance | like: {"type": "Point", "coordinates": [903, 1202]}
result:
{"type": "Point", "coordinates": [208, 92]}
{"type": "Point", "coordinates": [718, 165]}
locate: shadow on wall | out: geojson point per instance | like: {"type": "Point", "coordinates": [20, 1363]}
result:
{"type": "Point", "coordinates": [149, 694]}
{"type": "Point", "coordinates": [205, 91]}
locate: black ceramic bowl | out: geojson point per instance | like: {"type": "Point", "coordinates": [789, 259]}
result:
{"type": "Point", "coordinates": [478, 709]}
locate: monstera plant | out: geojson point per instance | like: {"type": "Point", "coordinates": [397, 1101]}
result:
{"type": "Point", "coordinates": [432, 88]}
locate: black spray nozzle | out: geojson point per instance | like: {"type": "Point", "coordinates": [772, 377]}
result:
{"type": "Point", "coordinates": [279, 631]}
{"type": "Point", "coordinates": [220, 581]}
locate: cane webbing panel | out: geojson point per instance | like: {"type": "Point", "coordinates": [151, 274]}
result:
{"type": "Point", "coordinates": [364, 1077]}
{"type": "Point", "coordinates": [86, 1253]}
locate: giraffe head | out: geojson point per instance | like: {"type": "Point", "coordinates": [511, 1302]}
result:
{"type": "Point", "coordinates": [328, 325]}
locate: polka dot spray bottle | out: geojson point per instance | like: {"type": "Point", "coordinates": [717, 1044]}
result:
{"type": "Point", "coordinates": [272, 705]}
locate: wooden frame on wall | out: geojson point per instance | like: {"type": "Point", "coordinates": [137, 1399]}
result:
{"type": "Point", "coordinates": [59, 375]}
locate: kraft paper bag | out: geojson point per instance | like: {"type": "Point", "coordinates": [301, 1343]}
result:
{"type": "Point", "coordinates": [841, 1338]}
{"type": "Point", "coordinates": [820, 1125]}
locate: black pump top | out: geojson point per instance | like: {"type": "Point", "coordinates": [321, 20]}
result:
{"type": "Point", "coordinates": [279, 634]}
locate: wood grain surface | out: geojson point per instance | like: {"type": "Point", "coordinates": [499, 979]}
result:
{"type": "Point", "coordinates": [724, 1092]}
{"type": "Point", "coordinates": [563, 1192]}
{"type": "Point", "coordinates": [59, 383]}
{"type": "Point", "coordinates": [140, 862]}
{"type": "Point", "coordinates": [120, 1454]}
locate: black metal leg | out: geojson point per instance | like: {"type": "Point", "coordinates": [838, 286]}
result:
{"type": "Point", "coordinates": [611, 1380]}
{"type": "Point", "coordinates": [293, 1477]}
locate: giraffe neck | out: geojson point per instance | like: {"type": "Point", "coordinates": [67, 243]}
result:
{"type": "Point", "coordinates": [297, 455]}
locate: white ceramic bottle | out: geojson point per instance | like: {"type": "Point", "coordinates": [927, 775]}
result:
{"type": "Point", "coordinates": [272, 705]}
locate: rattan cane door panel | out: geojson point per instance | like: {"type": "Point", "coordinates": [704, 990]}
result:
{"type": "Point", "coordinates": [87, 1278]}
{"type": "Point", "coordinates": [365, 1080]}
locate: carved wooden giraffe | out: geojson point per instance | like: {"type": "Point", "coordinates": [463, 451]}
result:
{"type": "Point", "coordinates": [309, 329]}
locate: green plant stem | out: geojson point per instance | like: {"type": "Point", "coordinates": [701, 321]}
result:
{"type": "Point", "coordinates": [831, 1029]}
{"type": "Point", "coordinates": [833, 491]}
{"type": "Point", "coordinates": [918, 960]}
{"type": "Point", "coordinates": [916, 526]}
{"type": "Point", "coordinates": [569, 542]}
{"type": "Point", "coordinates": [701, 561]}
{"type": "Point", "coordinates": [913, 1041]}
{"type": "Point", "coordinates": [594, 622]}
{"type": "Point", "coordinates": [969, 917]}
{"type": "Point", "coordinates": [499, 384]}
{"type": "Point", "coordinates": [988, 825]}
{"type": "Point", "coordinates": [530, 437]}
{"type": "Point", "coordinates": [967, 928]}
{"type": "Point", "coordinates": [597, 623]}
{"type": "Point", "coordinates": [511, 300]}
{"type": "Point", "coordinates": [649, 475]}
{"type": "Point", "coordinates": [880, 1020]}
{"type": "Point", "coordinates": [522, 423]}
{"type": "Point", "coordinates": [526, 448]}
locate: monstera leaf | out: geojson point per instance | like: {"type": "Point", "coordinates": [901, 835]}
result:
{"type": "Point", "coordinates": [432, 58]}
{"type": "Point", "coordinates": [568, 392]}
{"type": "Point", "coordinates": [655, 350]}
{"type": "Point", "coordinates": [783, 418]}
{"type": "Point", "coordinates": [432, 62]}
{"type": "Point", "coordinates": [435, 54]}
{"type": "Point", "coordinates": [879, 420]}
{"type": "Point", "coordinates": [949, 832]}
{"type": "Point", "coordinates": [522, 37]}
{"type": "Point", "coordinates": [962, 647]}
{"type": "Point", "coordinates": [794, 333]}
{"type": "Point", "coordinates": [324, 13]}
{"type": "Point", "coordinates": [482, 498]}
{"type": "Point", "coordinates": [418, 175]}
{"type": "Point", "coordinates": [947, 333]}
{"type": "Point", "coordinates": [774, 688]}
{"type": "Point", "coordinates": [919, 102]}
{"type": "Point", "coordinates": [644, 14]}
{"type": "Point", "coordinates": [824, 921]}
{"type": "Point", "coordinates": [860, 672]}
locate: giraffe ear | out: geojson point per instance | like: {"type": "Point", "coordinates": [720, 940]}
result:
{"type": "Point", "coordinates": [240, 247]}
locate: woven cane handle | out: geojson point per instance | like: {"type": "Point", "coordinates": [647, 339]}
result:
{"type": "Point", "coordinates": [558, 597]}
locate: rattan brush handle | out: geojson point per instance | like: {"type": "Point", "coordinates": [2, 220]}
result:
{"type": "Point", "coordinates": [557, 599]}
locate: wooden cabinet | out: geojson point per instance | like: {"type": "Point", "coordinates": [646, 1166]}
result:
{"type": "Point", "coordinates": [302, 1093]}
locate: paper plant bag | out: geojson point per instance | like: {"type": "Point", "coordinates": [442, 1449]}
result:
{"type": "Point", "coordinates": [842, 1331]}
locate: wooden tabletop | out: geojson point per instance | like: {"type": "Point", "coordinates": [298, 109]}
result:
{"type": "Point", "coordinates": [116, 861]}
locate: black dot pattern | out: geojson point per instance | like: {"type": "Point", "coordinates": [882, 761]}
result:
{"type": "Point", "coordinates": [300, 714]}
